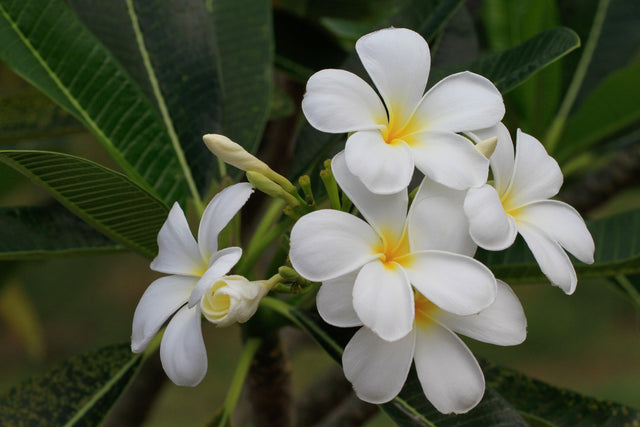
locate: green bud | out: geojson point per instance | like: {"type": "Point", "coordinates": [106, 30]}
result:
{"type": "Point", "coordinates": [269, 187]}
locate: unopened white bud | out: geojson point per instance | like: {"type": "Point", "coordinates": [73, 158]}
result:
{"type": "Point", "coordinates": [488, 146]}
{"type": "Point", "coordinates": [232, 299]}
{"type": "Point", "coordinates": [234, 154]}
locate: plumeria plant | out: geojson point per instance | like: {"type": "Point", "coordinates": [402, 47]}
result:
{"type": "Point", "coordinates": [360, 178]}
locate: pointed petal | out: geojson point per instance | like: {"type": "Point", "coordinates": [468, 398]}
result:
{"type": "Point", "coordinates": [455, 283]}
{"type": "Point", "coordinates": [377, 368]}
{"type": "Point", "coordinates": [386, 213]}
{"type": "Point", "coordinates": [398, 61]}
{"type": "Point", "coordinates": [449, 159]}
{"type": "Point", "coordinates": [383, 168]}
{"type": "Point", "coordinates": [437, 221]}
{"type": "Point", "coordinates": [552, 259]}
{"type": "Point", "coordinates": [502, 323]}
{"type": "Point", "coordinates": [182, 351]}
{"type": "Point", "coordinates": [489, 225]}
{"type": "Point", "coordinates": [383, 300]}
{"type": "Point", "coordinates": [220, 210]}
{"type": "Point", "coordinates": [460, 102]}
{"type": "Point", "coordinates": [326, 244]}
{"type": "Point", "coordinates": [562, 223]}
{"type": "Point", "coordinates": [161, 299]}
{"type": "Point", "coordinates": [337, 101]}
{"type": "Point", "coordinates": [177, 249]}
{"type": "Point", "coordinates": [536, 175]}
{"type": "Point", "coordinates": [502, 158]}
{"type": "Point", "coordinates": [222, 262]}
{"type": "Point", "coordinates": [449, 374]}
{"type": "Point", "coordinates": [335, 302]}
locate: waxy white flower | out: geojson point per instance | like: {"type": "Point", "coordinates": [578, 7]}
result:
{"type": "Point", "coordinates": [388, 253]}
{"type": "Point", "coordinates": [194, 268]}
{"type": "Point", "coordinates": [232, 299]}
{"type": "Point", "coordinates": [518, 202]}
{"type": "Point", "coordinates": [448, 372]}
{"type": "Point", "coordinates": [409, 129]}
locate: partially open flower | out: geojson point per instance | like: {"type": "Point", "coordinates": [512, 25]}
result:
{"type": "Point", "coordinates": [232, 299]}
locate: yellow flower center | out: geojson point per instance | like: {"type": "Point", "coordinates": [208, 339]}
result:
{"type": "Point", "coordinates": [392, 251]}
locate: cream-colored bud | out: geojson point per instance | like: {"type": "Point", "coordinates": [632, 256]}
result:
{"type": "Point", "coordinates": [488, 146]}
{"type": "Point", "coordinates": [232, 299]}
{"type": "Point", "coordinates": [234, 154]}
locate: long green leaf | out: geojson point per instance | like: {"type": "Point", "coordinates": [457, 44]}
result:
{"type": "Point", "coordinates": [79, 391]}
{"type": "Point", "coordinates": [108, 200]}
{"type": "Point", "coordinates": [555, 406]}
{"type": "Point", "coordinates": [38, 232]}
{"type": "Point", "coordinates": [617, 240]}
{"type": "Point", "coordinates": [44, 42]}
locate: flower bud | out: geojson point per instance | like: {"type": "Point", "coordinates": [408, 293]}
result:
{"type": "Point", "coordinates": [269, 187]}
{"type": "Point", "coordinates": [488, 146]}
{"type": "Point", "coordinates": [232, 299]}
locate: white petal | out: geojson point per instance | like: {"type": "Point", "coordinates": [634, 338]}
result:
{"type": "Point", "coordinates": [222, 262]}
{"type": "Point", "coordinates": [460, 102]}
{"type": "Point", "coordinates": [455, 283]}
{"type": "Point", "coordinates": [536, 175]}
{"type": "Point", "coordinates": [161, 299]}
{"type": "Point", "coordinates": [335, 302]}
{"type": "Point", "coordinates": [383, 299]}
{"type": "Point", "coordinates": [449, 159]}
{"type": "Point", "coordinates": [502, 323]}
{"type": "Point", "coordinates": [562, 223]}
{"type": "Point", "coordinates": [182, 351]}
{"type": "Point", "coordinates": [326, 244]}
{"type": "Point", "coordinates": [449, 374]}
{"type": "Point", "coordinates": [398, 61]}
{"type": "Point", "coordinates": [552, 259]}
{"type": "Point", "coordinates": [220, 210]}
{"type": "Point", "coordinates": [177, 249]}
{"type": "Point", "coordinates": [386, 213]}
{"type": "Point", "coordinates": [502, 158]}
{"type": "Point", "coordinates": [377, 368]}
{"type": "Point", "coordinates": [338, 101]}
{"type": "Point", "coordinates": [383, 168]}
{"type": "Point", "coordinates": [437, 221]}
{"type": "Point", "coordinates": [489, 225]}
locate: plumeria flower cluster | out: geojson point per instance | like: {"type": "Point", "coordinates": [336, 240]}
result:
{"type": "Point", "coordinates": [404, 274]}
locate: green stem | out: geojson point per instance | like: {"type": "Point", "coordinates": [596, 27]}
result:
{"type": "Point", "coordinates": [280, 307]}
{"type": "Point", "coordinates": [233, 394]}
{"type": "Point", "coordinates": [557, 126]}
{"type": "Point", "coordinates": [625, 284]}
{"type": "Point", "coordinates": [260, 244]}
{"type": "Point", "coordinates": [164, 111]}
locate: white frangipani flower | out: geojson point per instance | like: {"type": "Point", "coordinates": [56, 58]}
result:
{"type": "Point", "coordinates": [406, 128]}
{"type": "Point", "coordinates": [518, 202]}
{"type": "Point", "coordinates": [232, 299]}
{"type": "Point", "coordinates": [193, 268]}
{"type": "Point", "coordinates": [385, 260]}
{"type": "Point", "coordinates": [448, 372]}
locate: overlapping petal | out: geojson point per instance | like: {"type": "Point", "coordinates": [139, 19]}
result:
{"type": "Point", "coordinates": [383, 300]}
{"type": "Point", "coordinates": [386, 213]}
{"type": "Point", "coordinates": [217, 215]}
{"type": "Point", "coordinates": [182, 351]}
{"type": "Point", "coordinates": [221, 263]}
{"type": "Point", "coordinates": [161, 299]}
{"type": "Point", "coordinates": [178, 251]}
{"type": "Point", "coordinates": [398, 61]}
{"type": "Point", "coordinates": [377, 368]}
{"type": "Point", "coordinates": [449, 374]}
{"type": "Point", "coordinates": [502, 159]}
{"type": "Point", "coordinates": [335, 302]}
{"type": "Point", "coordinates": [449, 159]}
{"type": "Point", "coordinates": [337, 101]}
{"type": "Point", "coordinates": [327, 244]}
{"type": "Point", "coordinates": [460, 102]}
{"type": "Point", "coordinates": [383, 168]}
{"type": "Point", "coordinates": [489, 224]}
{"type": "Point", "coordinates": [455, 283]}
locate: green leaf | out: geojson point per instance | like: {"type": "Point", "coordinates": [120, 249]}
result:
{"type": "Point", "coordinates": [79, 391]}
{"type": "Point", "coordinates": [28, 114]}
{"type": "Point", "coordinates": [609, 109]}
{"type": "Point", "coordinates": [108, 200]}
{"type": "Point", "coordinates": [45, 43]}
{"type": "Point", "coordinates": [44, 232]}
{"type": "Point", "coordinates": [617, 241]}
{"type": "Point", "coordinates": [510, 68]}
{"type": "Point", "coordinates": [555, 406]}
